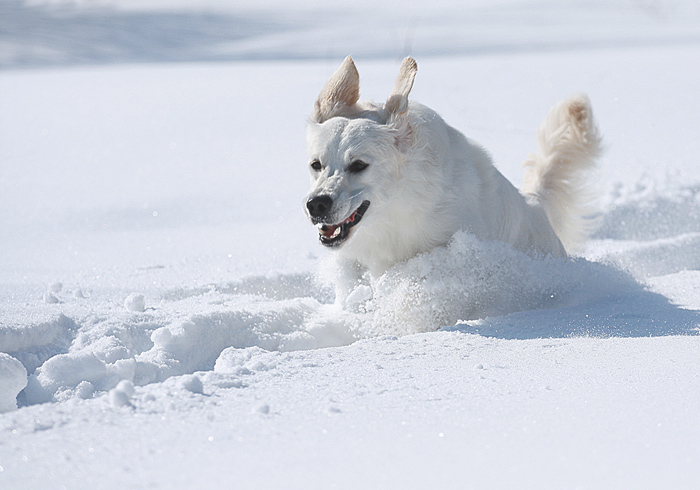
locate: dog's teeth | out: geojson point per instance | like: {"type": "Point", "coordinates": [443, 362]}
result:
{"type": "Point", "coordinates": [329, 231]}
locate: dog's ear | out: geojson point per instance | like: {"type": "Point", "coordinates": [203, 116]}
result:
{"type": "Point", "coordinates": [397, 103]}
{"type": "Point", "coordinates": [342, 90]}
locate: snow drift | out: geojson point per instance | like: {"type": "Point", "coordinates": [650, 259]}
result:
{"type": "Point", "coordinates": [472, 286]}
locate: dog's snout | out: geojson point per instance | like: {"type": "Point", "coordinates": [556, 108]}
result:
{"type": "Point", "coordinates": [319, 206]}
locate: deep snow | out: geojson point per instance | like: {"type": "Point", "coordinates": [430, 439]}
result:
{"type": "Point", "coordinates": [159, 285]}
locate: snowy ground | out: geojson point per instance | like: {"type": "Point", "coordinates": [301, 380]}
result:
{"type": "Point", "coordinates": [159, 295]}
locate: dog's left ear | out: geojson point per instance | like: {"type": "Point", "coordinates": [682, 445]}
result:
{"type": "Point", "coordinates": [397, 103]}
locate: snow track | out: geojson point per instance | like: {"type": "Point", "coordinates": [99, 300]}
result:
{"type": "Point", "coordinates": [468, 286]}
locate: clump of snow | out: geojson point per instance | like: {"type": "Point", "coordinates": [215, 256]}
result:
{"type": "Point", "coordinates": [49, 298]}
{"type": "Point", "coordinates": [262, 409]}
{"type": "Point", "coordinates": [135, 303]}
{"type": "Point", "coordinates": [246, 361]}
{"type": "Point", "coordinates": [192, 384]}
{"type": "Point", "coordinates": [13, 379]}
{"type": "Point", "coordinates": [36, 337]}
{"type": "Point", "coordinates": [195, 342]}
{"type": "Point", "coordinates": [64, 372]}
{"type": "Point", "coordinates": [120, 396]}
{"type": "Point", "coordinates": [84, 390]}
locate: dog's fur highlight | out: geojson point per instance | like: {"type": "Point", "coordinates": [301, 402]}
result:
{"type": "Point", "coordinates": [413, 180]}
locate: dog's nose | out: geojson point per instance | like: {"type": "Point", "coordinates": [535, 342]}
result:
{"type": "Point", "coordinates": [319, 206]}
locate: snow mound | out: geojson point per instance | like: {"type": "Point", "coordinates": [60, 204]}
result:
{"type": "Point", "coordinates": [470, 280]}
{"type": "Point", "coordinates": [58, 376]}
{"type": "Point", "coordinates": [13, 379]}
{"type": "Point", "coordinates": [195, 342]}
{"type": "Point", "coordinates": [246, 361]}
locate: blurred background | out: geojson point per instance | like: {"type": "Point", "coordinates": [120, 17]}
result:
{"type": "Point", "coordinates": [62, 32]}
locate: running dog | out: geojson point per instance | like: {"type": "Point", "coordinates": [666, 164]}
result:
{"type": "Point", "coordinates": [392, 180]}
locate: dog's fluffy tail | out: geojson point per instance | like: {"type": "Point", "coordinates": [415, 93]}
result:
{"type": "Point", "coordinates": [557, 175]}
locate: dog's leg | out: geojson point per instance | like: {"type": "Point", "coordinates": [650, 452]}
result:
{"type": "Point", "coordinates": [344, 275]}
{"type": "Point", "coordinates": [557, 175]}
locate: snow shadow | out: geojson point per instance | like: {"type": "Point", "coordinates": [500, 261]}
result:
{"type": "Point", "coordinates": [639, 313]}
{"type": "Point", "coordinates": [659, 224]}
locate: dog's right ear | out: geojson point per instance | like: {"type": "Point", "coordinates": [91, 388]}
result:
{"type": "Point", "coordinates": [396, 106]}
{"type": "Point", "coordinates": [397, 103]}
{"type": "Point", "coordinates": [341, 91]}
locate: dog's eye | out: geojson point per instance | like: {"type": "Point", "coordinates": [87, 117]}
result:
{"type": "Point", "coordinates": [357, 166]}
{"type": "Point", "coordinates": [316, 165]}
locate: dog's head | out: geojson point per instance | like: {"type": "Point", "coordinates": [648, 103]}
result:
{"type": "Point", "coordinates": [355, 151]}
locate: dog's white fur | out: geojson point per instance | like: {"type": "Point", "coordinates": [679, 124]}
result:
{"type": "Point", "coordinates": [425, 180]}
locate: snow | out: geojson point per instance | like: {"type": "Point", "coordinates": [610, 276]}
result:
{"type": "Point", "coordinates": [135, 303]}
{"type": "Point", "coordinates": [120, 396]}
{"type": "Point", "coordinates": [165, 317]}
{"type": "Point", "coordinates": [13, 379]}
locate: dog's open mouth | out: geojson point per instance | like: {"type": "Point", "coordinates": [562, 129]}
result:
{"type": "Point", "coordinates": [334, 235]}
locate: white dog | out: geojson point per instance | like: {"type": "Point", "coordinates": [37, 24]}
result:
{"type": "Point", "coordinates": [391, 181]}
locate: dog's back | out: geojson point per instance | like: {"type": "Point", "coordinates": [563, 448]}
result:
{"type": "Point", "coordinates": [473, 195]}
{"type": "Point", "coordinates": [557, 216]}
